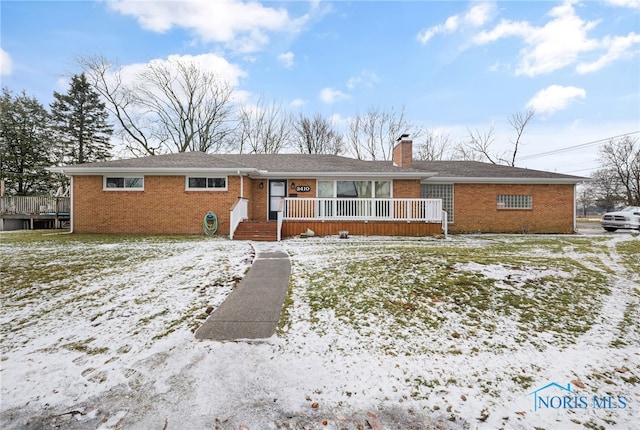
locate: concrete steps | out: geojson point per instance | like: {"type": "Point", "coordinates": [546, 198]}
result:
{"type": "Point", "coordinates": [264, 231]}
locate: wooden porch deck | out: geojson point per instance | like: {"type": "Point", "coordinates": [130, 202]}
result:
{"type": "Point", "coordinates": [31, 212]}
{"type": "Point", "coordinates": [360, 228]}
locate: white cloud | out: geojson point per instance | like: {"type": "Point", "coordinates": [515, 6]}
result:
{"type": "Point", "coordinates": [477, 15]}
{"type": "Point", "coordinates": [225, 71]}
{"type": "Point", "coordinates": [286, 59]}
{"type": "Point", "coordinates": [243, 26]}
{"type": "Point", "coordinates": [555, 98]}
{"type": "Point", "coordinates": [330, 95]}
{"type": "Point", "coordinates": [366, 78]}
{"type": "Point", "coordinates": [617, 47]}
{"type": "Point", "coordinates": [634, 4]}
{"type": "Point", "coordinates": [298, 102]}
{"type": "Point", "coordinates": [6, 65]}
{"type": "Point", "coordinates": [552, 46]}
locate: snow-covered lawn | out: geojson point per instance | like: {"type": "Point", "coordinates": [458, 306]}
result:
{"type": "Point", "coordinates": [97, 332]}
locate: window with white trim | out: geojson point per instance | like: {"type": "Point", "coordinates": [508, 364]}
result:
{"type": "Point", "coordinates": [355, 189]}
{"type": "Point", "coordinates": [201, 183]}
{"type": "Point", "coordinates": [515, 201]}
{"type": "Point", "coordinates": [123, 183]}
{"type": "Point", "coordinates": [443, 192]}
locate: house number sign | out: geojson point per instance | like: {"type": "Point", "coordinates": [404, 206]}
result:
{"type": "Point", "coordinates": [303, 189]}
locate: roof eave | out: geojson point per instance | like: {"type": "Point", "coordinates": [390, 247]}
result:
{"type": "Point", "coordinates": [305, 175]}
{"type": "Point", "coordinates": [151, 171]}
{"type": "Point", "coordinates": [486, 180]}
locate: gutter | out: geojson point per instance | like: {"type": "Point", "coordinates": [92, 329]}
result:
{"type": "Point", "coordinates": [309, 175]}
{"type": "Point", "coordinates": [489, 180]}
{"type": "Point", "coordinates": [156, 171]}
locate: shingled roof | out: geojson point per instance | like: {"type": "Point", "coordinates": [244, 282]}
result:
{"type": "Point", "coordinates": [296, 165]}
{"type": "Point", "coordinates": [180, 160]}
{"type": "Point", "coordinates": [314, 163]}
{"type": "Point", "coordinates": [476, 171]}
{"type": "Point", "coordinates": [267, 165]}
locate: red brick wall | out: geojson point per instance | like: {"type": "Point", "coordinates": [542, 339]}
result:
{"type": "Point", "coordinates": [406, 189]}
{"type": "Point", "coordinates": [163, 207]}
{"type": "Point", "coordinates": [403, 154]}
{"type": "Point", "coordinates": [258, 201]}
{"type": "Point", "coordinates": [475, 207]}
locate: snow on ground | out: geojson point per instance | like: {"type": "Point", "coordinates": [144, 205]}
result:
{"type": "Point", "coordinates": [109, 344]}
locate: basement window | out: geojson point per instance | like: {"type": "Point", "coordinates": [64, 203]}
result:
{"type": "Point", "coordinates": [515, 201]}
{"type": "Point", "coordinates": [207, 183]}
{"type": "Point", "coordinates": [113, 183]}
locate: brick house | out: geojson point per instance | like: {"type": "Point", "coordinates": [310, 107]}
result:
{"type": "Point", "coordinates": [268, 196]}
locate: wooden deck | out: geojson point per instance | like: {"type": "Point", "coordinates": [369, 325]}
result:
{"type": "Point", "coordinates": [362, 217]}
{"type": "Point", "coordinates": [359, 228]}
{"type": "Point", "coordinates": [31, 212]}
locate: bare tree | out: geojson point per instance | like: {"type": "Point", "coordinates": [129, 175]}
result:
{"type": "Point", "coordinates": [434, 146]}
{"type": "Point", "coordinates": [171, 106]}
{"type": "Point", "coordinates": [263, 128]}
{"type": "Point", "coordinates": [317, 136]}
{"type": "Point", "coordinates": [479, 144]}
{"type": "Point", "coordinates": [622, 158]}
{"type": "Point", "coordinates": [518, 122]}
{"type": "Point", "coordinates": [373, 135]}
{"type": "Point", "coordinates": [106, 79]}
{"type": "Point", "coordinates": [606, 189]}
{"type": "Point", "coordinates": [353, 137]}
{"type": "Point", "coordinates": [477, 147]}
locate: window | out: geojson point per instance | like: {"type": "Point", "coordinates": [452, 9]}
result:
{"type": "Point", "coordinates": [515, 201]}
{"type": "Point", "coordinates": [355, 189]}
{"type": "Point", "coordinates": [123, 183]}
{"type": "Point", "coordinates": [440, 191]}
{"type": "Point", "coordinates": [383, 189]}
{"type": "Point", "coordinates": [204, 183]}
{"type": "Point", "coordinates": [325, 189]}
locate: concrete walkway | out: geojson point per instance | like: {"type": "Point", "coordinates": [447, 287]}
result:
{"type": "Point", "coordinates": [252, 310]}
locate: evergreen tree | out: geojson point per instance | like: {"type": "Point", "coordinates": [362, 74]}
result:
{"type": "Point", "coordinates": [24, 144]}
{"type": "Point", "coordinates": [80, 123]}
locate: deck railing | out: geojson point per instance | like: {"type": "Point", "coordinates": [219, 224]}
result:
{"type": "Point", "coordinates": [35, 205]}
{"type": "Point", "coordinates": [319, 209]}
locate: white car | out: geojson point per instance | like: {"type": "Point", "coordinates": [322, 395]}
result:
{"type": "Point", "coordinates": [628, 218]}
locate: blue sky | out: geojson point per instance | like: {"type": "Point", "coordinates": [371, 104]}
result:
{"type": "Point", "coordinates": [453, 65]}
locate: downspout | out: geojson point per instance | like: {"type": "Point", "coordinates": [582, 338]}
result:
{"type": "Point", "coordinates": [241, 185]}
{"type": "Point", "coordinates": [71, 206]}
{"type": "Point", "coordinates": [575, 207]}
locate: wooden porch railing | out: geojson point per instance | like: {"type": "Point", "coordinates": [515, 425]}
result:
{"type": "Point", "coordinates": [408, 210]}
{"type": "Point", "coordinates": [35, 205]}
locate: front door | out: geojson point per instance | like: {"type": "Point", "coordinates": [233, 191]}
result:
{"type": "Point", "coordinates": [277, 190]}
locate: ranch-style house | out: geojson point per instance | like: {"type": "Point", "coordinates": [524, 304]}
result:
{"type": "Point", "coordinates": [269, 196]}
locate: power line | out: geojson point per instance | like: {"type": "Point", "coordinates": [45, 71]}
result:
{"type": "Point", "coordinates": [580, 170]}
{"type": "Point", "coordinates": [576, 147]}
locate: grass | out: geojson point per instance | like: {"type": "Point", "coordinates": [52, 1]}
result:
{"type": "Point", "coordinates": [83, 277]}
{"type": "Point", "coordinates": [34, 258]}
{"type": "Point", "coordinates": [630, 250]}
{"type": "Point", "coordinates": [405, 290]}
